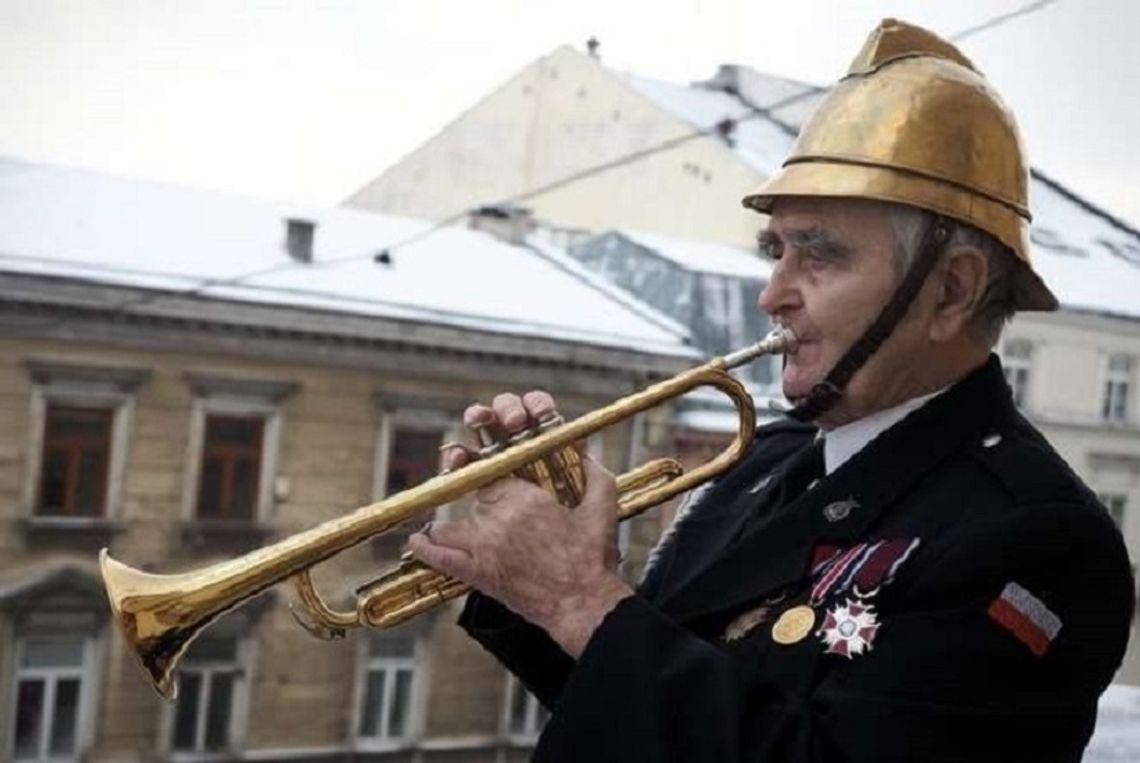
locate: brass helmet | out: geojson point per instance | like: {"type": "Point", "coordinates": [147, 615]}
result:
{"type": "Point", "coordinates": [914, 122]}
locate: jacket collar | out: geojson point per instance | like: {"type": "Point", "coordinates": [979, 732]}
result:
{"type": "Point", "coordinates": [774, 553]}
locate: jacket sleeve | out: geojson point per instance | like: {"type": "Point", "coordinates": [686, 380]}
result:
{"type": "Point", "coordinates": [527, 651]}
{"type": "Point", "coordinates": [522, 648]}
{"type": "Point", "coordinates": [945, 681]}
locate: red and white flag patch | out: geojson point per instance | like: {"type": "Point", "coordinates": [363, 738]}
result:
{"type": "Point", "coordinates": [1026, 617]}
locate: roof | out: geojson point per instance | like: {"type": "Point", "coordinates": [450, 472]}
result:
{"type": "Point", "coordinates": [704, 257]}
{"type": "Point", "coordinates": [1089, 258]}
{"type": "Point", "coordinates": [92, 226]}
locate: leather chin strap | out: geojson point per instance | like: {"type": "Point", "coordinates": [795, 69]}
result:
{"type": "Point", "coordinates": [825, 394]}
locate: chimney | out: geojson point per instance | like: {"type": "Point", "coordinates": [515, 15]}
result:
{"type": "Point", "coordinates": [505, 222]}
{"type": "Point", "coordinates": [727, 78]}
{"type": "Point", "coordinates": [299, 239]}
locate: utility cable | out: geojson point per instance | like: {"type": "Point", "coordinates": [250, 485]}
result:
{"type": "Point", "coordinates": [723, 128]}
{"type": "Point", "coordinates": [997, 21]}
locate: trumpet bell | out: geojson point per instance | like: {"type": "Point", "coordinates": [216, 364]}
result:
{"type": "Point", "coordinates": [156, 616]}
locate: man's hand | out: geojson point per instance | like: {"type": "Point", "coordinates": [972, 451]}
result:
{"type": "Point", "coordinates": [556, 567]}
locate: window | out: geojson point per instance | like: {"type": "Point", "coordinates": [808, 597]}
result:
{"type": "Point", "coordinates": [1114, 406]}
{"type": "Point", "coordinates": [50, 694]}
{"type": "Point", "coordinates": [235, 433]}
{"type": "Point", "coordinates": [1115, 503]}
{"type": "Point", "coordinates": [231, 467]}
{"type": "Point", "coordinates": [1017, 361]}
{"type": "Point", "coordinates": [78, 441]}
{"type": "Point", "coordinates": [414, 459]}
{"type": "Point", "coordinates": [209, 685]}
{"type": "Point", "coordinates": [388, 698]}
{"type": "Point", "coordinates": [524, 715]}
{"type": "Point", "coordinates": [75, 461]}
{"type": "Point", "coordinates": [407, 454]}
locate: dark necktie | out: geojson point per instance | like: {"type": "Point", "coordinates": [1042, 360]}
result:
{"type": "Point", "coordinates": [805, 467]}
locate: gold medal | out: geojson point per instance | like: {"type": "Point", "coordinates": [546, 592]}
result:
{"type": "Point", "coordinates": [794, 625]}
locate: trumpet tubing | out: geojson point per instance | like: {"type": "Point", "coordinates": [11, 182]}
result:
{"type": "Point", "coordinates": [160, 615]}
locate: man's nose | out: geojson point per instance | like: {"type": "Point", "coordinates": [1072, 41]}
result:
{"type": "Point", "coordinates": [780, 295]}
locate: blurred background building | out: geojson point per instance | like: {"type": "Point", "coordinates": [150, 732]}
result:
{"type": "Point", "coordinates": [186, 375]}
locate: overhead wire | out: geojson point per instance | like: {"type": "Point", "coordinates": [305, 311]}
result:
{"type": "Point", "coordinates": [723, 128]}
{"type": "Point", "coordinates": [1000, 19]}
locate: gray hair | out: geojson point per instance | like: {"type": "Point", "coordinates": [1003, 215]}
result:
{"type": "Point", "coordinates": [996, 306]}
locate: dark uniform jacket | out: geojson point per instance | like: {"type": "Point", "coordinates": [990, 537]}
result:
{"type": "Point", "coordinates": [996, 631]}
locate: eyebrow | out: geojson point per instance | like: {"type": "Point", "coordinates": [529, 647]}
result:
{"type": "Point", "coordinates": [814, 238]}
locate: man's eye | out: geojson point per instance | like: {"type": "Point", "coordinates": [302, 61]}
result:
{"type": "Point", "coordinates": [773, 250]}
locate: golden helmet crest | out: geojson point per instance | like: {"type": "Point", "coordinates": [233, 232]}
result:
{"type": "Point", "coordinates": [914, 122]}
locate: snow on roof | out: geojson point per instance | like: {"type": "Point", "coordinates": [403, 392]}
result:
{"type": "Point", "coordinates": [1090, 262]}
{"type": "Point", "coordinates": [1089, 259]}
{"type": "Point", "coordinates": [89, 225]}
{"type": "Point", "coordinates": [704, 257]}
{"type": "Point", "coordinates": [760, 142]}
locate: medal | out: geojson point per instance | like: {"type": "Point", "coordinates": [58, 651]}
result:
{"type": "Point", "coordinates": [794, 625]}
{"type": "Point", "coordinates": [849, 628]}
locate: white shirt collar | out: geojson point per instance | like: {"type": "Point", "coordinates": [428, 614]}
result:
{"type": "Point", "coordinates": [843, 442]}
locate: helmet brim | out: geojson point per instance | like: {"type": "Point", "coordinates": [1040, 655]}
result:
{"type": "Point", "coordinates": [864, 181]}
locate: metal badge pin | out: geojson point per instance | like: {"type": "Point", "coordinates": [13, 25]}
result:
{"type": "Point", "coordinates": [839, 510]}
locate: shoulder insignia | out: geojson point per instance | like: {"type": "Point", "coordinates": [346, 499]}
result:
{"type": "Point", "coordinates": [1026, 617]}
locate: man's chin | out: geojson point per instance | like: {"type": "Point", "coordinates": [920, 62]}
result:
{"type": "Point", "coordinates": [796, 388]}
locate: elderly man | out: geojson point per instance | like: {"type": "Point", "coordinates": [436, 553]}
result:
{"type": "Point", "coordinates": [915, 575]}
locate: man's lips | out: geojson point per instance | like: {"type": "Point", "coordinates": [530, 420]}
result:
{"type": "Point", "coordinates": [801, 343]}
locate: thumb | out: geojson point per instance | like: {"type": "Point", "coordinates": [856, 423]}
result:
{"type": "Point", "coordinates": [601, 487]}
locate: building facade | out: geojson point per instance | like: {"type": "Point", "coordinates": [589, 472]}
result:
{"type": "Point", "coordinates": [158, 402]}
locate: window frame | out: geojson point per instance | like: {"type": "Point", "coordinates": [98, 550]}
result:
{"type": "Point", "coordinates": [416, 417]}
{"type": "Point", "coordinates": [417, 699]}
{"type": "Point", "coordinates": [1109, 497]}
{"type": "Point", "coordinates": [72, 384]}
{"type": "Point", "coordinates": [1118, 382]}
{"type": "Point", "coordinates": [89, 676]}
{"type": "Point", "coordinates": [417, 414]}
{"type": "Point", "coordinates": [1017, 363]}
{"type": "Point", "coordinates": [532, 729]}
{"type": "Point", "coordinates": [235, 397]}
{"type": "Point", "coordinates": [75, 447]}
{"type": "Point", "coordinates": [242, 631]}
{"type": "Point", "coordinates": [225, 487]}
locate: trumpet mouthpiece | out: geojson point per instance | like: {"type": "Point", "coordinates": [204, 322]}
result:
{"type": "Point", "coordinates": [779, 341]}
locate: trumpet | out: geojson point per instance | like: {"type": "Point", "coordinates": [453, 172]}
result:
{"type": "Point", "coordinates": [160, 615]}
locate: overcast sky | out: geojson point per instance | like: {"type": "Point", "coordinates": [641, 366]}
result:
{"type": "Point", "coordinates": [309, 100]}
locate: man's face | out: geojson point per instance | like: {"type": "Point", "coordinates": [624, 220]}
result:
{"type": "Point", "coordinates": [834, 270]}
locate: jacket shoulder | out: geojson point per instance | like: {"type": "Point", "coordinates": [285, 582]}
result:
{"type": "Point", "coordinates": [1022, 462]}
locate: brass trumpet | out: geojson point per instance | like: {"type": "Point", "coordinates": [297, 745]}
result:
{"type": "Point", "coordinates": [160, 615]}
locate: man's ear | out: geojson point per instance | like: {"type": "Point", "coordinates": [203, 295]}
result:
{"type": "Point", "coordinates": [961, 283]}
